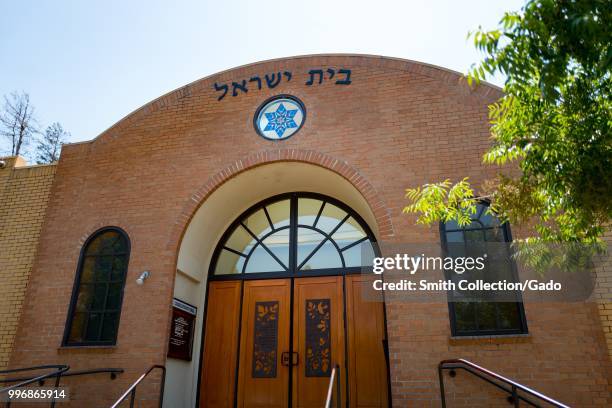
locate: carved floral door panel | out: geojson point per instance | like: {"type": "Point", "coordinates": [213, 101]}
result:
{"type": "Point", "coordinates": [318, 338]}
{"type": "Point", "coordinates": [262, 379]}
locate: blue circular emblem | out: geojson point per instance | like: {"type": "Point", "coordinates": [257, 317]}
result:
{"type": "Point", "coordinates": [280, 117]}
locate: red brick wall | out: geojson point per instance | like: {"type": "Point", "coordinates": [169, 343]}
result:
{"type": "Point", "coordinates": [398, 124]}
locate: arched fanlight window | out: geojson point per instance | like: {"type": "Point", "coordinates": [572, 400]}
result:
{"type": "Point", "coordinates": [297, 233]}
{"type": "Point", "coordinates": [93, 318]}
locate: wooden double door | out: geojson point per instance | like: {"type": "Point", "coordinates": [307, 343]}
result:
{"type": "Point", "coordinates": [274, 343]}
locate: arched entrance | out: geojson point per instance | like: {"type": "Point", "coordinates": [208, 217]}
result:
{"type": "Point", "coordinates": [284, 307]}
{"type": "Point", "coordinates": [224, 196]}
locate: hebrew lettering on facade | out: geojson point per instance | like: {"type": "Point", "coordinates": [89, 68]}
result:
{"type": "Point", "coordinates": [241, 86]}
{"type": "Point", "coordinates": [223, 88]}
{"type": "Point", "coordinates": [272, 80]}
{"type": "Point", "coordinates": [347, 79]}
{"type": "Point", "coordinates": [312, 73]}
{"type": "Point", "coordinates": [256, 79]}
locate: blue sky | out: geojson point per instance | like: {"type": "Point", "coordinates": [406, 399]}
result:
{"type": "Point", "coordinates": [87, 64]}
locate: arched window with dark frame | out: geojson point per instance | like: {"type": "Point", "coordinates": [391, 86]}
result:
{"type": "Point", "coordinates": [294, 234]}
{"type": "Point", "coordinates": [95, 307]}
{"type": "Point", "coordinates": [477, 314]}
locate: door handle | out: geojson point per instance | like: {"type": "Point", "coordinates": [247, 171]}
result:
{"type": "Point", "coordinates": [288, 358]}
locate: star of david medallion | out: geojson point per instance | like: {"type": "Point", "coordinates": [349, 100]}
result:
{"type": "Point", "coordinates": [280, 117]}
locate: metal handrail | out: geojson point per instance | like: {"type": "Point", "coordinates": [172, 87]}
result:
{"type": "Point", "coordinates": [483, 374]}
{"type": "Point", "coordinates": [334, 378]}
{"type": "Point", "coordinates": [131, 391]}
{"type": "Point", "coordinates": [58, 374]}
{"type": "Point", "coordinates": [112, 371]}
{"type": "Point", "coordinates": [59, 369]}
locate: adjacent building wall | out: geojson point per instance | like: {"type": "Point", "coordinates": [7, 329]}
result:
{"type": "Point", "coordinates": [24, 193]}
{"type": "Point", "coordinates": [603, 292]}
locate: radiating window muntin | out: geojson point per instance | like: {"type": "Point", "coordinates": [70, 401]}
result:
{"type": "Point", "coordinates": [295, 233]}
{"type": "Point", "coordinates": [95, 307]}
{"type": "Point", "coordinates": [482, 317]}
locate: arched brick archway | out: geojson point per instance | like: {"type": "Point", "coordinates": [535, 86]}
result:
{"type": "Point", "coordinates": [340, 167]}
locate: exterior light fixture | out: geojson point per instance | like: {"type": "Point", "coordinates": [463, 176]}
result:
{"type": "Point", "coordinates": [143, 276]}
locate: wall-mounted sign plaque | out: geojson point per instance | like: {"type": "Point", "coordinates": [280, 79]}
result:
{"type": "Point", "coordinates": [181, 330]}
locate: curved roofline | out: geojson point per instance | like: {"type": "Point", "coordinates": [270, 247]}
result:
{"type": "Point", "coordinates": [272, 60]}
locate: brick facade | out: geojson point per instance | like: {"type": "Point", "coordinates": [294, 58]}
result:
{"type": "Point", "coordinates": [398, 124]}
{"type": "Point", "coordinates": [24, 192]}
{"type": "Point", "coordinates": [603, 293]}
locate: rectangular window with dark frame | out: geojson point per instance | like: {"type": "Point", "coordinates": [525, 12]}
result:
{"type": "Point", "coordinates": [479, 313]}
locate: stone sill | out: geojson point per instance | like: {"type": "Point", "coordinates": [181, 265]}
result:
{"type": "Point", "coordinates": [491, 339]}
{"type": "Point", "coordinates": [92, 349]}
